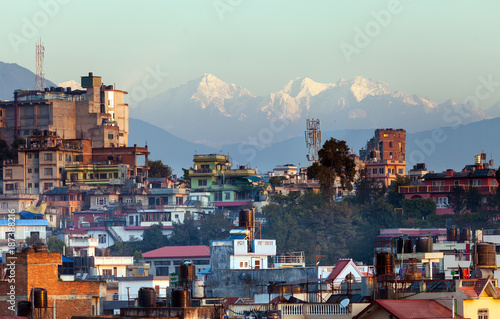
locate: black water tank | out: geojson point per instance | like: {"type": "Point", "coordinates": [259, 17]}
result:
{"type": "Point", "coordinates": [246, 218]}
{"type": "Point", "coordinates": [40, 298]}
{"type": "Point", "coordinates": [399, 245]}
{"type": "Point", "coordinates": [183, 272]}
{"type": "Point", "coordinates": [424, 245]}
{"type": "Point", "coordinates": [408, 246]}
{"type": "Point", "coordinates": [24, 308]}
{"type": "Point", "coordinates": [147, 297]}
{"type": "Point", "coordinates": [180, 298]}
{"type": "Point", "coordinates": [486, 255]}
{"type": "Point", "coordinates": [452, 234]}
{"type": "Point", "coordinates": [465, 235]}
{"type": "Point", "coordinates": [385, 263]}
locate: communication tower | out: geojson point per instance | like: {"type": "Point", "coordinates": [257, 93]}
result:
{"type": "Point", "coordinates": [40, 76]}
{"type": "Point", "coordinates": [313, 139]}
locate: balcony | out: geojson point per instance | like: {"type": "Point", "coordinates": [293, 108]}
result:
{"type": "Point", "coordinates": [444, 189]}
{"type": "Point", "coordinates": [83, 242]}
{"type": "Point", "coordinates": [202, 172]}
{"type": "Point", "coordinates": [113, 260]}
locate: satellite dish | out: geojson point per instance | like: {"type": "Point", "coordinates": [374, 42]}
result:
{"type": "Point", "coordinates": [344, 303]}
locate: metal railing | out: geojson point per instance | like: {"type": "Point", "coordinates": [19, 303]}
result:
{"type": "Point", "coordinates": [445, 188]}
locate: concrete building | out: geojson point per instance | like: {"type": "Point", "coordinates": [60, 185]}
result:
{"type": "Point", "coordinates": [41, 163]}
{"type": "Point", "coordinates": [97, 113]}
{"type": "Point", "coordinates": [23, 228]}
{"type": "Point", "coordinates": [16, 203]}
{"type": "Point", "coordinates": [385, 155]}
{"type": "Point", "coordinates": [166, 260]}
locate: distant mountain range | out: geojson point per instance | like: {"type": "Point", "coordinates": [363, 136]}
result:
{"type": "Point", "coordinates": [267, 131]}
{"type": "Point", "coordinates": [211, 111]}
{"type": "Point", "coordinates": [13, 77]}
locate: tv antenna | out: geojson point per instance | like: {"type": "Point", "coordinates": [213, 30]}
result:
{"type": "Point", "coordinates": [313, 139]}
{"type": "Point", "coordinates": [40, 75]}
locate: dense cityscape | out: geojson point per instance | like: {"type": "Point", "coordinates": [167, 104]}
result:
{"type": "Point", "coordinates": [231, 159]}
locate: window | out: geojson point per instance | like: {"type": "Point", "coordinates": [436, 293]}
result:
{"type": "Point", "coordinates": [381, 170]}
{"type": "Point", "coordinates": [115, 296]}
{"type": "Point", "coordinates": [202, 182]}
{"type": "Point", "coordinates": [102, 238]}
{"type": "Point", "coordinates": [51, 218]}
{"type": "Point", "coordinates": [115, 175]}
{"type": "Point", "coordinates": [217, 196]}
{"type": "Point", "coordinates": [456, 182]}
{"type": "Point", "coordinates": [110, 136]}
{"type": "Point", "coordinates": [482, 314]}
{"type": "Point", "coordinates": [437, 183]}
{"type": "Point", "coordinates": [227, 195]}
{"type": "Point", "coordinates": [400, 171]}
{"type": "Point", "coordinates": [179, 201]}
{"type": "Point", "coordinates": [26, 132]}
{"type": "Point", "coordinates": [476, 182]}
{"type": "Point", "coordinates": [103, 176]}
{"type": "Point", "coordinates": [5, 205]}
{"type": "Point", "coordinates": [389, 171]}
{"type": "Point", "coordinates": [30, 185]}
{"type": "Point", "coordinates": [374, 171]}
{"type": "Point", "coordinates": [48, 171]}
{"type": "Point", "coordinates": [60, 157]}
{"type": "Point", "coordinates": [441, 202]}
{"type": "Point", "coordinates": [29, 155]}
{"type": "Point", "coordinates": [8, 173]}
{"type": "Point", "coordinates": [100, 201]}
{"type": "Point", "coordinates": [47, 156]}
{"type": "Point", "coordinates": [36, 155]}
{"type": "Point", "coordinates": [36, 170]}
{"type": "Point", "coordinates": [37, 185]}
{"type": "Point", "coordinates": [47, 185]}
{"type": "Point", "coordinates": [243, 264]}
{"type": "Point", "coordinates": [29, 170]}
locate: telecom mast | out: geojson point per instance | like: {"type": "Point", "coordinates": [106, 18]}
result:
{"type": "Point", "coordinates": [40, 76]}
{"type": "Point", "coordinates": [313, 140]}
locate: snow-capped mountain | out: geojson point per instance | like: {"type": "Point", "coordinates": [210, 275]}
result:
{"type": "Point", "coordinates": [214, 112]}
{"type": "Point", "coordinates": [71, 84]}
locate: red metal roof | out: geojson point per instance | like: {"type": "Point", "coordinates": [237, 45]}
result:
{"type": "Point", "coordinates": [231, 204]}
{"type": "Point", "coordinates": [144, 227]}
{"type": "Point", "coordinates": [341, 264]}
{"type": "Point", "coordinates": [411, 309]}
{"type": "Point", "coordinates": [178, 252]}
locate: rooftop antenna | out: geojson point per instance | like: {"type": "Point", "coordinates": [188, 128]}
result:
{"type": "Point", "coordinates": [313, 139]}
{"type": "Point", "coordinates": [40, 75]}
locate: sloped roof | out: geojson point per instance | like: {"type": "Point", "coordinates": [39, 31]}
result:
{"type": "Point", "coordinates": [410, 309]}
{"type": "Point", "coordinates": [479, 286]}
{"type": "Point", "coordinates": [178, 252]}
{"type": "Point", "coordinates": [26, 222]}
{"type": "Point", "coordinates": [339, 268]}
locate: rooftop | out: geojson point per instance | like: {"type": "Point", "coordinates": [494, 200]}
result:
{"type": "Point", "coordinates": [178, 252]}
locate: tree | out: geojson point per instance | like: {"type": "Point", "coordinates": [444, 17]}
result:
{"type": "Point", "coordinates": [473, 200]}
{"type": "Point", "coordinates": [186, 233]}
{"type": "Point", "coordinates": [367, 189]}
{"type": "Point", "coordinates": [158, 169]}
{"type": "Point", "coordinates": [15, 146]}
{"type": "Point", "coordinates": [5, 153]}
{"type": "Point", "coordinates": [457, 200]}
{"type": "Point", "coordinates": [138, 255]}
{"type": "Point", "coordinates": [214, 227]}
{"type": "Point", "coordinates": [55, 245]}
{"type": "Point", "coordinates": [33, 239]}
{"type": "Point", "coordinates": [276, 181]}
{"type": "Point", "coordinates": [334, 162]}
{"type": "Point", "coordinates": [418, 207]}
{"type": "Point", "coordinates": [394, 197]}
{"type": "Point", "coordinates": [153, 238]}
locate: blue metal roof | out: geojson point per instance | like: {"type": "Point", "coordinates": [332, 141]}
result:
{"type": "Point", "coordinates": [67, 260]}
{"type": "Point", "coordinates": [205, 271]}
{"type": "Point", "coordinates": [26, 222]}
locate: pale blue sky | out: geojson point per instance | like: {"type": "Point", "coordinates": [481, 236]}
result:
{"type": "Point", "coordinates": [430, 48]}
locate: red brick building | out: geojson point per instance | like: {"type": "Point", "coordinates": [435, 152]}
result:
{"type": "Point", "coordinates": [385, 155]}
{"type": "Point", "coordinates": [40, 270]}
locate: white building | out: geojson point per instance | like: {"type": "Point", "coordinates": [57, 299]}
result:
{"type": "Point", "coordinates": [23, 228]}
{"type": "Point", "coordinates": [112, 265]}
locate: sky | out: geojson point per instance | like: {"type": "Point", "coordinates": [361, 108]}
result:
{"type": "Point", "coordinates": [437, 49]}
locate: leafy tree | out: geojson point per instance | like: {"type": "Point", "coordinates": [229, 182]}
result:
{"type": "Point", "coordinates": [185, 176]}
{"type": "Point", "coordinates": [394, 197]}
{"type": "Point", "coordinates": [5, 153]}
{"type": "Point", "coordinates": [55, 245]}
{"type": "Point", "coordinates": [457, 200]}
{"type": "Point", "coordinates": [33, 239]}
{"type": "Point", "coordinates": [367, 189]}
{"type": "Point", "coordinates": [186, 233]}
{"type": "Point", "coordinates": [334, 162]}
{"type": "Point", "coordinates": [418, 207]}
{"type": "Point", "coordinates": [215, 226]}
{"type": "Point", "coordinates": [15, 146]}
{"type": "Point", "coordinates": [138, 255]}
{"type": "Point", "coordinates": [473, 200]}
{"type": "Point", "coordinates": [158, 169]}
{"type": "Point", "coordinates": [276, 181]}
{"type": "Point", "coordinates": [153, 238]}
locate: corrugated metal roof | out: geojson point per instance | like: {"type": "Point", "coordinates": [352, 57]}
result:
{"type": "Point", "coordinates": [178, 252]}
{"type": "Point", "coordinates": [26, 222]}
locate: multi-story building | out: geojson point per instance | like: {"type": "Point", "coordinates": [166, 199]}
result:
{"type": "Point", "coordinates": [64, 201]}
{"type": "Point", "coordinates": [15, 203]}
{"type": "Point", "coordinates": [97, 113]}
{"type": "Point", "coordinates": [438, 186]}
{"type": "Point", "coordinates": [166, 260]}
{"type": "Point", "coordinates": [227, 187]}
{"type": "Point", "coordinates": [41, 163]}
{"type": "Point", "coordinates": [97, 174]}
{"type": "Point", "coordinates": [385, 155]}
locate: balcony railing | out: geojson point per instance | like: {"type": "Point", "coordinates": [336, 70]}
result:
{"type": "Point", "coordinates": [445, 189]}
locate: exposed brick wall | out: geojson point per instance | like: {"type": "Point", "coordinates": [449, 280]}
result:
{"type": "Point", "coordinates": [39, 270]}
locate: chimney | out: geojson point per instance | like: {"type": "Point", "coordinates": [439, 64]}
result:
{"type": "Point", "coordinates": [449, 173]}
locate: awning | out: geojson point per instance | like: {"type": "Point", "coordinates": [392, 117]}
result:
{"type": "Point", "coordinates": [232, 204]}
{"type": "Point", "coordinates": [253, 178]}
{"type": "Point", "coordinates": [29, 215]}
